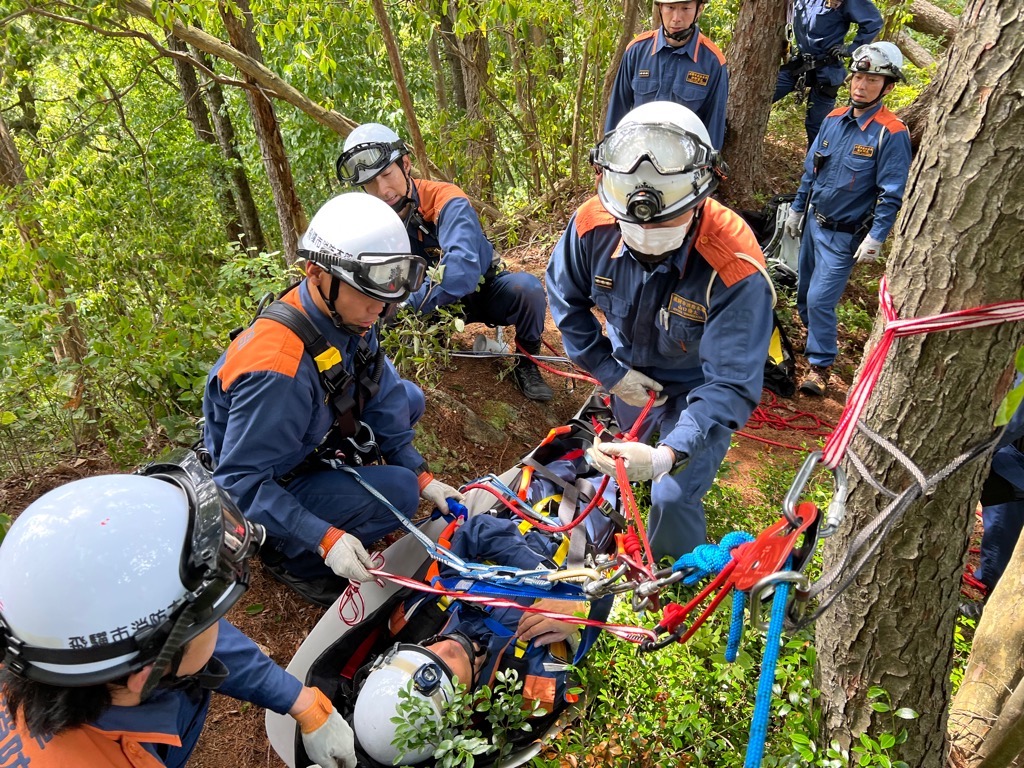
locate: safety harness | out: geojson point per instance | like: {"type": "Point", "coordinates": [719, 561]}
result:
{"type": "Point", "coordinates": [349, 440]}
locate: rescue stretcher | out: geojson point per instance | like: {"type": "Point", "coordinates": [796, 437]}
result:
{"type": "Point", "coordinates": [355, 630]}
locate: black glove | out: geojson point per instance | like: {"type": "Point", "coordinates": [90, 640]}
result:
{"type": "Point", "coordinates": [838, 52]}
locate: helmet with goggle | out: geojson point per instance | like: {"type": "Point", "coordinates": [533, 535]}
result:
{"type": "Point", "coordinates": [368, 150]}
{"type": "Point", "coordinates": [656, 164]}
{"type": "Point", "coordinates": [405, 667]}
{"type": "Point", "coordinates": [106, 575]}
{"type": "Point", "coordinates": [360, 240]}
{"type": "Point", "coordinates": [878, 59]}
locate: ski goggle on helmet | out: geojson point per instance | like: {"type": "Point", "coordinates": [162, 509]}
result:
{"type": "Point", "coordinates": [361, 241]}
{"type": "Point", "coordinates": [147, 562]}
{"type": "Point", "coordinates": [368, 150]}
{"type": "Point", "coordinates": [878, 59]}
{"type": "Point", "coordinates": [656, 164]}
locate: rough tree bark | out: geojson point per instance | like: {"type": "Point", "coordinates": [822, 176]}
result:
{"type": "Point", "coordinates": [398, 73]}
{"type": "Point", "coordinates": [957, 246]}
{"type": "Point", "coordinates": [932, 20]}
{"type": "Point", "coordinates": [199, 116]}
{"type": "Point", "coordinates": [753, 66]}
{"type": "Point", "coordinates": [290, 214]}
{"type": "Point", "coordinates": [440, 89]}
{"type": "Point", "coordinates": [48, 280]}
{"type": "Point", "coordinates": [225, 130]}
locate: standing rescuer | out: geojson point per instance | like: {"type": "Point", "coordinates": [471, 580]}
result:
{"type": "Point", "coordinates": [112, 596]}
{"type": "Point", "coordinates": [680, 281]}
{"type": "Point", "coordinates": [445, 231]}
{"type": "Point", "coordinates": [677, 63]}
{"type": "Point", "coordinates": [852, 188]}
{"type": "Point", "coordinates": [819, 51]}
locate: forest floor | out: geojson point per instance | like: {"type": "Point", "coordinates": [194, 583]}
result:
{"type": "Point", "coordinates": [279, 620]}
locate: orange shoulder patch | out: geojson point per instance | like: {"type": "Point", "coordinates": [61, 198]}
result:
{"type": "Point", "coordinates": [837, 111]}
{"type": "Point", "coordinates": [434, 196]}
{"type": "Point", "coordinates": [889, 121]}
{"type": "Point", "coordinates": [706, 42]}
{"type": "Point", "coordinates": [642, 37]}
{"type": "Point", "coordinates": [723, 234]}
{"type": "Point", "coordinates": [591, 215]}
{"type": "Point", "coordinates": [266, 345]}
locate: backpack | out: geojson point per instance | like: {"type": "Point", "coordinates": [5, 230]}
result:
{"type": "Point", "coordinates": [780, 365]}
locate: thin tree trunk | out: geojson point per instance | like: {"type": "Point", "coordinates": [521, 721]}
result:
{"type": "Point", "coordinates": [914, 51]}
{"type": "Point", "coordinates": [398, 74]}
{"type": "Point", "coordinates": [753, 65]}
{"type": "Point", "coordinates": [451, 53]}
{"type": "Point", "coordinates": [199, 116]}
{"type": "Point", "coordinates": [957, 247]}
{"type": "Point", "coordinates": [932, 20]}
{"type": "Point", "coordinates": [71, 344]}
{"type": "Point", "coordinates": [290, 214]}
{"type": "Point", "coordinates": [225, 130]}
{"type": "Point", "coordinates": [630, 12]}
{"type": "Point", "coordinates": [440, 89]}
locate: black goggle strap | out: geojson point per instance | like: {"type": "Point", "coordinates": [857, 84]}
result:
{"type": "Point", "coordinates": [474, 653]}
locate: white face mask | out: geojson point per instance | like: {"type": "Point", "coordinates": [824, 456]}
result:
{"type": "Point", "coordinates": [653, 242]}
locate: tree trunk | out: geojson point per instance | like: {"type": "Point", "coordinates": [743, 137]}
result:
{"type": "Point", "coordinates": [398, 74]}
{"type": "Point", "coordinates": [440, 90]}
{"type": "Point", "coordinates": [957, 246]}
{"type": "Point", "coordinates": [225, 130]}
{"type": "Point", "coordinates": [451, 53]}
{"type": "Point", "coordinates": [753, 66]}
{"type": "Point", "coordinates": [914, 51]}
{"type": "Point", "coordinates": [479, 150]}
{"type": "Point", "coordinates": [630, 12]}
{"type": "Point", "coordinates": [199, 115]}
{"type": "Point", "coordinates": [49, 281]}
{"type": "Point", "coordinates": [290, 214]}
{"type": "Point", "coordinates": [932, 20]}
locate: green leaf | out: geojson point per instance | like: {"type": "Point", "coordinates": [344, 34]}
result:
{"type": "Point", "coordinates": [254, 609]}
{"type": "Point", "coordinates": [906, 713]}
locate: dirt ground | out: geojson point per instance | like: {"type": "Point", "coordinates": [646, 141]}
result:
{"type": "Point", "coordinates": [279, 620]}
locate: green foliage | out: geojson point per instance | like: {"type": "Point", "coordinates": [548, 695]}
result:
{"type": "Point", "coordinates": [1014, 397]}
{"type": "Point", "coordinates": [455, 735]}
{"type": "Point", "coordinates": [418, 344]}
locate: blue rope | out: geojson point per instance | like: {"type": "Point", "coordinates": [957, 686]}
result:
{"type": "Point", "coordinates": [739, 602]}
{"type": "Point", "coordinates": [708, 559]}
{"type": "Point", "coordinates": [762, 704]}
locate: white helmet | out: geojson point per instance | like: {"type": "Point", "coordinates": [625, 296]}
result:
{"type": "Point", "coordinates": [878, 59]}
{"type": "Point", "coordinates": [368, 150]}
{"type": "Point", "coordinates": [104, 575]}
{"type": "Point", "coordinates": [656, 164]}
{"type": "Point", "coordinates": [359, 239]}
{"type": "Point", "coordinates": [404, 667]}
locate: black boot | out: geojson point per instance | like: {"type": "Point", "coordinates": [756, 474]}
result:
{"type": "Point", "coordinates": [527, 376]}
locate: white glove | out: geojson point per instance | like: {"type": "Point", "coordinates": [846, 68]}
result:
{"type": "Point", "coordinates": [632, 389]}
{"type": "Point", "coordinates": [868, 251]}
{"type": "Point", "coordinates": [348, 558]}
{"type": "Point", "coordinates": [642, 461]}
{"type": "Point", "coordinates": [331, 744]}
{"type": "Point", "coordinates": [438, 493]}
{"type": "Point", "coordinates": [794, 225]}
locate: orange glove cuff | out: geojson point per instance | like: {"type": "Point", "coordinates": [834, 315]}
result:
{"type": "Point", "coordinates": [329, 540]}
{"type": "Point", "coordinates": [425, 479]}
{"type": "Point", "coordinates": [315, 714]}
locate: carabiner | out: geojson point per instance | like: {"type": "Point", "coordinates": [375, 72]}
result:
{"type": "Point", "coordinates": [837, 507]}
{"type": "Point", "coordinates": [768, 583]}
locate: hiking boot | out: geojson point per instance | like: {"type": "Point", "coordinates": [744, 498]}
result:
{"type": "Point", "coordinates": [527, 378]}
{"type": "Point", "coordinates": [816, 381]}
{"type": "Point", "coordinates": [322, 591]}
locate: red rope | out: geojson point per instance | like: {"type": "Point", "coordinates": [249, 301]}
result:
{"type": "Point", "coordinates": [557, 371]}
{"type": "Point", "coordinates": [979, 317]}
{"type": "Point", "coordinates": [771, 414]}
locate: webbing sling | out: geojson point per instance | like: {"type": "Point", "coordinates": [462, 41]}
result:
{"type": "Point", "coordinates": [346, 400]}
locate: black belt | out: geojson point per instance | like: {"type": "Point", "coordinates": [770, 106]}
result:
{"type": "Point", "coordinates": [836, 226]}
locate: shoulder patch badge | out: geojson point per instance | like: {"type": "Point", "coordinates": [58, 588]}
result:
{"type": "Point", "coordinates": [685, 308]}
{"type": "Point", "coordinates": [604, 282]}
{"type": "Point", "coordinates": [644, 73]}
{"type": "Point", "coordinates": [861, 150]}
{"type": "Point", "coordinates": [698, 78]}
